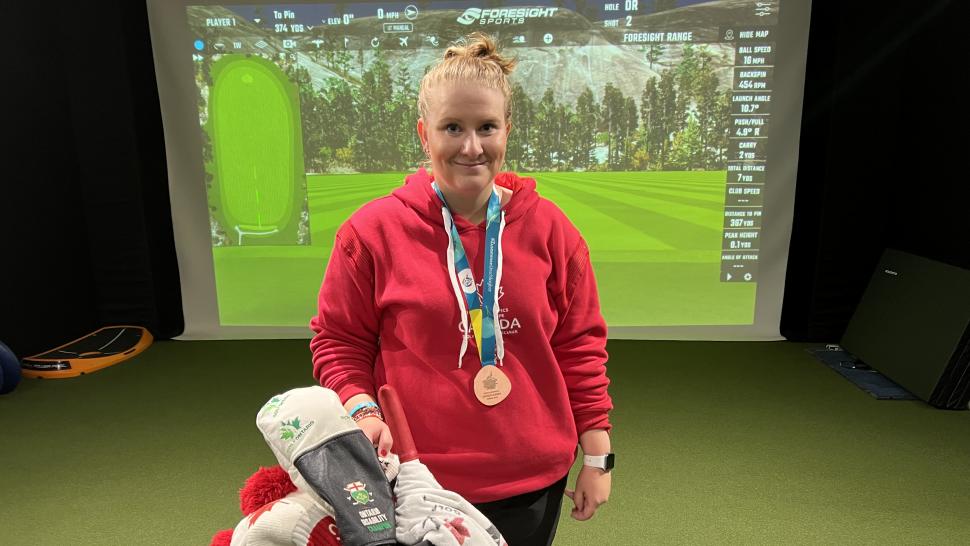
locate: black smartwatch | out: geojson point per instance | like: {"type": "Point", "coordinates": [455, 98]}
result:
{"type": "Point", "coordinates": [602, 462]}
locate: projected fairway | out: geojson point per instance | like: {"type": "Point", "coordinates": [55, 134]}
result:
{"type": "Point", "coordinates": [659, 232]}
{"type": "Point", "coordinates": [257, 152]}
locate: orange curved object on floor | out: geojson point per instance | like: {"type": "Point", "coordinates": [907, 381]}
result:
{"type": "Point", "coordinates": [97, 350]}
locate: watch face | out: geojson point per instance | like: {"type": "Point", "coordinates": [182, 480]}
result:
{"type": "Point", "coordinates": [609, 462]}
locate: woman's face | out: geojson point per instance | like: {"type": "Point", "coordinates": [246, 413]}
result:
{"type": "Point", "coordinates": [465, 134]}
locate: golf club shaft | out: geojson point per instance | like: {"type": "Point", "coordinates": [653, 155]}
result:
{"type": "Point", "coordinates": [398, 422]}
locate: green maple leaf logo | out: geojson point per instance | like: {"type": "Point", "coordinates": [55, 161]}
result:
{"type": "Point", "coordinates": [288, 430]}
{"type": "Point", "coordinates": [273, 404]}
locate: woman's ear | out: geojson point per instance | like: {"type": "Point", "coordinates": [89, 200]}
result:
{"type": "Point", "coordinates": [423, 134]}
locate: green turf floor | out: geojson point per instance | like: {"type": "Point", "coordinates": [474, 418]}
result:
{"type": "Point", "coordinates": [718, 443]}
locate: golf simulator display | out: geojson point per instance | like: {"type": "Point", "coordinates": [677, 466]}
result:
{"type": "Point", "coordinates": [105, 347]}
{"type": "Point", "coordinates": [667, 133]}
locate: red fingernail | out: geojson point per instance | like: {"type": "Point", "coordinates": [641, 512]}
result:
{"type": "Point", "coordinates": [383, 453]}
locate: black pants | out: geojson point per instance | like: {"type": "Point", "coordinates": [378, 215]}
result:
{"type": "Point", "coordinates": [529, 519]}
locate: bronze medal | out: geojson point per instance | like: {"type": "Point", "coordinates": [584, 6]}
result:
{"type": "Point", "coordinates": [491, 385]}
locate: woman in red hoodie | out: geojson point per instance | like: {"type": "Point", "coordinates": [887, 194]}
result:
{"type": "Point", "coordinates": [475, 298]}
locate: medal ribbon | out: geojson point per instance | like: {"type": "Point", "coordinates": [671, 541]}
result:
{"type": "Point", "coordinates": [482, 312]}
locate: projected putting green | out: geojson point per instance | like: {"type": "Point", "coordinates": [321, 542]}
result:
{"type": "Point", "coordinates": [257, 152]}
{"type": "Point", "coordinates": [658, 231]}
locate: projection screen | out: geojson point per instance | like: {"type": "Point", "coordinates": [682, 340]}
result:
{"type": "Point", "coordinates": [667, 130]}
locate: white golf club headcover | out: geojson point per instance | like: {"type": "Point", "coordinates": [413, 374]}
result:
{"type": "Point", "coordinates": [298, 519]}
{"type": "Point", "coordinates": [295, 520]}
{"type": "Point", "coordinates": [427, 512]}
{"type": "Point", "coordinates": [327, 455]}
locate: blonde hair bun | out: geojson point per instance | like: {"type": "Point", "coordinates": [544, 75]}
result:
{"type": "Point", "coordinates": [482, 46]}
{"type": "Point", "coordinates": [474, 58]}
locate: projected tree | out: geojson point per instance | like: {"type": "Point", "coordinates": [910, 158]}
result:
{"type": "Point", "coordinates": [362, 119]}
{"type": "Point", "coordinates": [587, 112]}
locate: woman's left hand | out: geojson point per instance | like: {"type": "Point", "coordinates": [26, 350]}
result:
{"type": "Point", "coordinates": [592, 489]}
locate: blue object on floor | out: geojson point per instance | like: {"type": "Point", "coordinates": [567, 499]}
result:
{"type": "Point", "coordinates": [861, 375]}
{"type": "Point", "coordinates": [9, 369]}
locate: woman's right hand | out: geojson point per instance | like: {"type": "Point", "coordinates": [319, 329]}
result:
{"type": "Point", "coordinates": [378, 433]}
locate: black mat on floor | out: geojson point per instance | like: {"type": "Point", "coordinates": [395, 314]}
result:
{"type": "Point", "coordinates": [860, 374]}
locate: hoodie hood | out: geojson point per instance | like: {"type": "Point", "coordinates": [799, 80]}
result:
{"type": "Point", "coordinates": [418, 195]}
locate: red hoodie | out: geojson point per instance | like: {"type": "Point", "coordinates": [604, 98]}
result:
{"type": "Point", "coordinates": [388, 314]}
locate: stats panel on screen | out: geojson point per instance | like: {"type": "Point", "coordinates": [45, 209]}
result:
{"type": "Point", "coordinates": [649, 122]}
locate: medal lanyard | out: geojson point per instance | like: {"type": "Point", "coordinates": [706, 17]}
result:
{"type": "Point", "coordinates": [482, 313]}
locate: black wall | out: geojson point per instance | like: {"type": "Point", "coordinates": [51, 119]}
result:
{"type": "Point", "coordinates": [87, 240]}
{"type": "Point", "coordinates": [881, 147]}
{"type": "Point", "coordinates": [88, 236]}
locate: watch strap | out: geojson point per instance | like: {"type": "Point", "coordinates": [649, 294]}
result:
{"type": "Point", "coordinates": [598, 461]}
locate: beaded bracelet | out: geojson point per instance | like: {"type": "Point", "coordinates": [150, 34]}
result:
{"type": "Point", "coordinates": [369, 411]}
{"type": "Point", "coordinates": [362, 405]}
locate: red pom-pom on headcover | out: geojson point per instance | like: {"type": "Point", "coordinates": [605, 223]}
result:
{"type": "Point", "coordinates": [266, 485]}
{"type": "Point", "coordinates": [222, 538]}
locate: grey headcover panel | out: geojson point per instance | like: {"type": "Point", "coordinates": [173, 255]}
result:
{"type": "Point", "coordinates": [345, 472]}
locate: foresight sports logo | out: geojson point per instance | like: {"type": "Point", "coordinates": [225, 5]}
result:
{"type": "Point", "coordinates": [503, 16]}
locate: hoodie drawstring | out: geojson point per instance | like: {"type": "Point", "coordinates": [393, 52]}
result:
{"type": "Point", "coordinates": [446, 216]}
